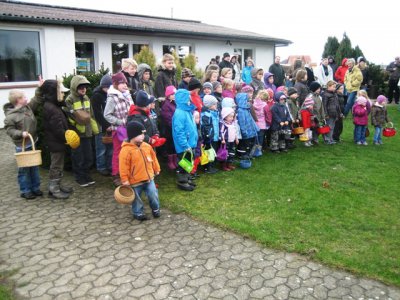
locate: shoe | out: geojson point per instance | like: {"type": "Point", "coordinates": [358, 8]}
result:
{"type": "Point", "coordinates": [225, 167]}
{"type": "Point", "coordinates": [156, 213]}
{"type": "Point", "coordinates": [104, 172]}
{"type": "Point", "coordinates": [284, 150]}
{"type": "Point", "coordinates": [171, 162]}
{"type": "Point", "coordinates": [365, 143]}
{"type": "Point", "coordinates": [140, 217]}
{"type": "Point", "coordinates": [28, 196]}
{"type": "Point", "coordinates": [82, 182]}
{"type": "Point", "coordinates": [116, 180]}
{"type": "Point", "coordinates": [380, 143]}
{"type": "Point", "coordinates": [376, 143]}
{"type": "Point", "coordinates": [316, 143]}
{"type": "Point", "coordinates": [182, 182]}
{"type": "Point", "coordinates": [90, 180]}
{"type": "Point", "coordinates": [275, 151]}
{"type": "Point", "coordinates": [359, 143]}
{"type": "Point", "coordinates": [210, 170]}
{"type": "Point", "coordinates": [231, 166]}
{"type": "Point", "coordinates": [55, 191]}
{"type": "Point", "coordinates": [38, 193]}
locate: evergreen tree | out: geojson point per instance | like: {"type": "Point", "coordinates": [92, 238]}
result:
{"type": "Point", "coordinates": [178, 64]}
{"type": "Point", "coordinates": [357, 52]}
{"type": "Point", "coordinates": [147, 56]}
{"type": "Point", "coordinates": [331, 46]}
{"type": "Point", "coordinates": [190, 62]}
{"type": "Point", "coordinates": [345, 50]}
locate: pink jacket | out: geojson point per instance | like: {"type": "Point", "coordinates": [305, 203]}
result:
{"type": "Point", "coordinates": [260, 113]}
{"type": "Point", "coordinates": [360, 115]}
{"type": "Point", "coordinates": [268, 113]}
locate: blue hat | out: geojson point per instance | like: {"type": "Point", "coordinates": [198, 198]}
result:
{"type": "Point", "coordinates": [143, 99]}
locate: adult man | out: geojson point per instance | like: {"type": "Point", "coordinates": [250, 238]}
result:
{"type": "Point", "coordinates": [362, 64]}
{"type": "Point", "coordinates": [394, 74]}
{"type": "Point", "coordinates": [225, 63]}
{"type": "Point", "coordinates": [278, 71]}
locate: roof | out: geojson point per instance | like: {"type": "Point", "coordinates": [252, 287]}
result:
{"type": "Point", "coordinates": [78, 17]}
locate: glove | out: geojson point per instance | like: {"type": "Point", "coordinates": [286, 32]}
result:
{"type": "Point", "coordinates": [157, 141]}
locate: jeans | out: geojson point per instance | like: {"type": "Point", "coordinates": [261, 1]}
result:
{"type": "Point", "coordinates": [378, 134]}
{"type": "Point", "coordinates": [359, 133]}
{"type": "Point", "coordinates": [82, 159]}
{"type": "Point", "coordinates": [28, 178]}
{"type": "Point", "coordinates": [350, 102]}
{"type": "Point", "coordinates": [152, 194]}
{"type": "Point", "coordinates": [331, 123]}
{"type": "Point", "coordinates": [261, 136]}
{"type": "Point", "coordinates": [104, 153]}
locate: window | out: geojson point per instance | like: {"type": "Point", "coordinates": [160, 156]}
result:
{"type": "Point", "coordinates": [119, 51]}
{"type": "Point", "coordinates": [84, 54]}
{"type": "Point", "coordinates": [168, 49]}
{"type": "Point", "coordinates": [248, 53]}
{"type": "Point", "coordinates": [19, 56]}
{"type": "Point", "coordinates": [137, 47]}
{"type": "Point", "coordinates": [243, 55]}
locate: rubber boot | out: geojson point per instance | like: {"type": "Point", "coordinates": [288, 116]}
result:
{"type": "Point", "coordinates": [117, 180]}
{"type": "Point", "coordinates": [225, 167]}
{"type": "Point", "coordinates": [66, 188]}
{"type": "Point", "coordinates": [182, 182]}
{"type": "Point", "coordinates": [175, 160]}
{"type": "Point", "coordinates": [171, 162]}
{"type": "Point", "coordinates": [231, 166]}
{"type": "Point", "coordinates": [55, 191]}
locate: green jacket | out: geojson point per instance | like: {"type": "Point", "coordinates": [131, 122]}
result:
{"type": "Point", "coordinates": [319, 111]}
{"type": "Point", "coordinates": [293, 108]}
{"type": "Point", "coordinates": [22, 119]}
{"type": "Point", "coordinates": [76, 102]}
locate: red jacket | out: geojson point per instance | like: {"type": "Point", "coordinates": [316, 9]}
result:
{"type": "Point", "coordinates": [268, 112]}
{"type": "Point", "coordinates": [341, 71]}
{"type": "Point", "coordinates": [196, 100]}
{"type": "Point", "coordinates": [306, 118]}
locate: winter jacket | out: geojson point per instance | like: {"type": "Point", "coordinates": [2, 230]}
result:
{"type": "Point", "coordinates": [353, 79]}
{"type": "Point", "coordinates": [293, 107]}
{"type": "Point", "coordinates": [306, 118]}
{"type": "Point", "coordinates": [209, 123]}
{"type": "Point", "coordinates": [143, 117]}
{"type": "Point", "coordinates": [146, 86]}
{"type": "Point", "coordinates": [99, 101]}
{"type": "Point", "coordinates": [133, 83]}
{"type": "Point", "coordinates": [331, 105]}
{"type": "Point", "coordinates": [341, 71]}
{"type": "Point", "coordinates": [137, 164]}
{"type": "Point", "coordinates": [280, 113]}
{"type": "Point", "coordinates": [319, 111]}
{"type": "Point", "coordinates": [167, 112]}
{"type": "Point", "coordinates": [247, 125]}
{"type": "Point", "coordinates": [394, 70]}
{"type": "Point", "coordinates": [259, 106]}
{"type": "Point", "coordinates": [112, 114]}
{"type": "Point", "coordinates": [360, 115]}
{"type": "Point", "coordinates": [302, 91]}
{"type": "Point", "coordinates": [227, 64]}
{"type": "Point", "coordinates": [333, 65]}
{"type": "Point", "coordinates": [196, 100]}
{"type": "Point", "coordinates": [22, 119]}
{"type": "Point", "coordinates": [379, 115]}
{"type": "Point", "coordinates": [246, 74]}
{"type": "Point", "coordinates": [279, 74]}
{"type": "Point", "coordinates": [341, 102]}
{"type": "Point", "coordinates": [365, 74]}
{"type": "Point", "coordinates": [310, 75]}
{"type": "Point", "coordinates": [268, 113]}
{"type": "Point", "coordinates": [184, 130]}
{"type": "Point", "coordinates": [183, 85]}
{"type": "Point", "coordinates": [256, 84]}
{"type": "Point", "coordinates": [322, 78]}
{"type": "Point", "coordinates": [164, 78]}
{"type": "Point", "coordinates": [268, 85]}
{"type": "Point", "coordinates": [77, 102]}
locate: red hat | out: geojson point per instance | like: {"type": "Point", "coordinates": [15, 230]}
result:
{"type": "Point", "coordinates": [118, 78]}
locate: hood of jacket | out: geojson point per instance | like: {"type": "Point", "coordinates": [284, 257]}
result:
{"type": "Point", "coordinates": [143, 68]}
{"type": "Point", "coordinates": [182, 99]}
{"type": "Point", "coordinates": [241, 100]}
{"type": "Point", "coordinates": [49, 91]}
{"type": "Point", "coordinates": [8, 108]}
{"type": "Point", "coordinates": [331, 57]}
{"type": "Point", "coordinates": [76, 81]}
{"type": "Point", "coordinates": [344, 61]}
{"type": "Point", "coordinates": [266, 76]}
{"type": "Point", "coordinates": [254, 72]}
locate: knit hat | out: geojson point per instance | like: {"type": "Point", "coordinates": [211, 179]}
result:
{"type": "Point", "coordinates": [278, 96]}
{"type": "Point", "coordinates": [280, 88]}
{"type": "Point", "coordinates": [314, 86]}
{"type": "Point", "coordinates": [143, 99]}
{"type": "Point", "coordinates": [270, 93]}
{"type": "Point", "coordinates": [209, 101]}
{"type": "Point", "coordinates": [381, 99]}
{"type": "Point", "coordinates": [308, 102]}
{"type": "Point", "coordinates": [134, 129]}
{"type": "Point", "coordinates": [216, 84]}
{"type": "Point", "coordinates": [118, 78]}
{"type": "Point", "coordinates": [106, 81]}
{"type": "Point", "coordinates": [194, 83]}
{"type": "Point", "coordinates": [228, 102]}
{"type": "Point", "coordinates": [338, 86]}
{"type": "Point", "coordinates": [170, 90]}
{"type": "Point", "coordinates": [208, 85]}
{"type": "Point", "coordinates": [361, 100]}
{"type": "Point", "coordinates": [226, 54]}
{"type": "Point", "coordinates": [186, 72]}
{"type": "Point", "coordinates": [360, 59]}
{"type": "Point", "coordinates": [247, 89]}
{"type": "Point", "coordinates": [226, 111]}
{"type": "Point", "coordinates": [292, 91]}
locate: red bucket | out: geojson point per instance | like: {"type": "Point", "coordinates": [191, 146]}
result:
{"type": "Point", "coordinates": [389, 131]}
{"type": "Point", "coordinates": [323, 129]}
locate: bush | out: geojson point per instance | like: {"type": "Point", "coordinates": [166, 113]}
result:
{"type": "Point", "coordinates": [378, 79]}
{"type": "Point", "coordinates": [147, 56]}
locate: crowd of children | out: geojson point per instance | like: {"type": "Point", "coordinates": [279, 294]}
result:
{"type": "Point", "coordinates": [202, 122]}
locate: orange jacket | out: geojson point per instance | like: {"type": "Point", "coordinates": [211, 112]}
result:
{"type": "Point", "coordinates": [137, 164]}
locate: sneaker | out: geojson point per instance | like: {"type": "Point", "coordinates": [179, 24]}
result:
{"type": "Point", "coordinates": [82, 182]}
{"type": "Point", "coordinates": [104, 172]}
{"type": "Point", "coordinates": [28, 196]}
{"type": "Point", "coordinates": [90, 180]}
{"type": "Point", "coordinates": [376, 143]}
{"type": "Point", "coordinates": [156, 213]}
{"type": "Point", "coordinates": [284, 150]}
{"type": "Point", "coordinates": [359, 143]}
{"type": "Point", "coordinates": [380, 143]}
{"type": "Point", "coordinates": [38, 193]}
{"type": "Point", "coordinates": [140, 217]}
{"type": "Point", "coordinates": [365, 144]}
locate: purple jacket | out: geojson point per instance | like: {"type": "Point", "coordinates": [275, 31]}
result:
{"type": "Point", "coordinates": [360, 115]}
{"type": "Point", "coordinates": [167, 112]}
{"type": "Point", "coordinates": [267, 85]}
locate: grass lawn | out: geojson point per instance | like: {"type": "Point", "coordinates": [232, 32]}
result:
{"type": "Point", "coordinates": [338, 204]}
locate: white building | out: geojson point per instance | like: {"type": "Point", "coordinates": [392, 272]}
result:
{"type": "Point", "coordinates": [51, 41]}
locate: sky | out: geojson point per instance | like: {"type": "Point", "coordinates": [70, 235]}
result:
{"type": "Point", "coordinates": [373, 27]}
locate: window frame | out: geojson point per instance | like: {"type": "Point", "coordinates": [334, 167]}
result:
{"type": "Point", "coordinates": [95, 51]}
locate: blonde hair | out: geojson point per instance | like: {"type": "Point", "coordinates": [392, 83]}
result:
{"type": "Point", "coordinates": [330, 83]}
{"type": "Point", "coordinates": [126, 62]}
{"type": "Point", "coordinates": [14, 95]}
{"type": "Point", "coordinates": [167, 57]}
{"type": "Point", "coordinates": [226, 83]}
{"type": "Point", "coordinates": [263, 95]}
{"type": "Point", "coordinates": [225, 71]}
{"type": "Point", "coordinates": [208, 74]}
{"type": "Point", "coordinates": [363, 93]}
{"type": "Point", "coordinates": [300, 75]}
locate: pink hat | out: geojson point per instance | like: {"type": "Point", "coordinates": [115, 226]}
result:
{"type": "Point", "coordinates": [309, 101]}
{"type": "Point", "coordinates": [170, 90]}
{"type": "Point", "coordinates": [361, 100]}
{"type": "Point", "coordinates": [280, 88]}
{"type": "Point", "coordinates": [118, 78]}
{"type": "Point", "coordinates": [381, 99]}
{"type": "Point", "coordinates": [270, 93]}
{"type": "Point", "coordinates": [247, 89]}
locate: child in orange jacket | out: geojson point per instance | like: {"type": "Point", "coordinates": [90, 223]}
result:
{"type": "Point", "coordinates": [138, 165]}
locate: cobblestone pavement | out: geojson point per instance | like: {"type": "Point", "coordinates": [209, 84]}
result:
{"type": "Point", "coordinates": [90, 248]}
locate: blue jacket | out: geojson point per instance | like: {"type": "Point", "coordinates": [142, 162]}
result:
{"type": "Point", "coordinates": [209, 125]}
{"type": "Point", "coordinates": [246, 74]}
{"type": "Point", "coordinates": [184, 131]}
{"type": "Point", "coordinates": [280, 113]}
{"type": "Point", "coordinates": [247, 125]}
{"type": "Point", "coordinates": [183, 85]}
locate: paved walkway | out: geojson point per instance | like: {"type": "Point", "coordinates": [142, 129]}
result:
{"type": "Point", "coordinates": [89, 248]}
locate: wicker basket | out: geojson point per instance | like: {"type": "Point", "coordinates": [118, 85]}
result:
{"type": "Point", "coordinates": [124, 195]}
{"type": "Point", "coordinates": [29, 158]}
{"type": "Point", "coordinates": [107, 139]}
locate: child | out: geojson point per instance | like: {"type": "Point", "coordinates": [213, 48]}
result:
{"type": "Point", "coordinates": [339, 122]}
{"type": "Point", "coordinates": [138, 165]}
{"type": "Point", "coordinates": [228, 137]}
{"type": "Point", "coordinates": [268, 118]}
{"type": "Point", "coordinates": [227, 73]}
{"type": "Point", "coordinates": [207, 89]}
{"type": "Point", "coordinates": [332, 109]}
{"type": "Point", "coordinates": [167, 111]}
{"type": "Point", "coordinates": [269, 81]}
{"type": "Point", "coordinates": [256, 83]}
{"type": "Point", "coordinates": [248, 127]}
{"type": "Point", "coordinates": [363, 93]}
{"type": "Point", "coordinates": [165, 76]}
{"type": "Point", "coordinates": [379, 118]}
{"type": "Point", "coordinates": [197, 150]}
{"type": "Point", "coordinates": [145, 79]}
{"type": "Point", "coordinates": [186, 75]}
{"type": "Point", "coordinates": [82, 120]}
{"type": "Point", "coordinates": [129, 68]}
{"type": "Point", "coordinates": [217, 88]}
{"type": "Point", "coordinates": [19, 122]}
{"type": "Point", "coordinates": [116, 111]}
{"type": "Point", "coordinates": [360, 120]}
{"type": "Point", "coordinates": [307, 118]}
{"type": "Point", "coordinates": [104, 152]}
{"type": "Point", "coordinates": [211, 76]}
{"type": "Point", "coordinates": [301, 85]}
{"type": "Point", "coordinates": [280, 123]}
{"type": "Point", "coordinates": [227, 89]}
{"type": "Point", "coordinates": [209, 120]}
{"type": "Point", "coordinates": [184, 134]}
{"type": "Point", "coordinates": [319, 113]}
{"type": "Point", "coordinates": [55, 124]}
{"type": "Point", "coordinates": [229, 102]}
{"type": "Point", "coordinates": [246, 74]}
{"type": "Point", "coordinates": [194, 89]}
{"type": "Point", "coordinates": [293, 106]}
{"type": "Point", "coordinates": [259, 108]}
